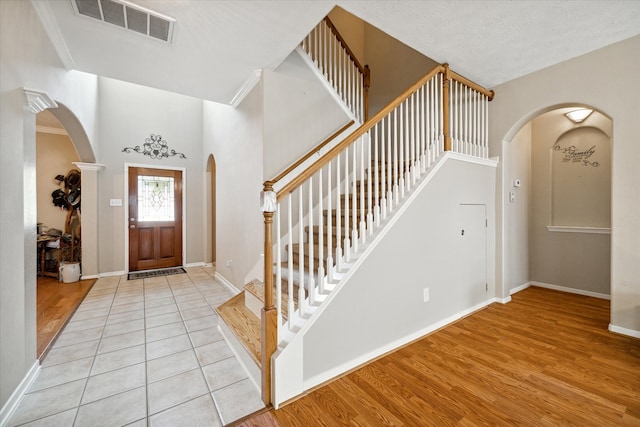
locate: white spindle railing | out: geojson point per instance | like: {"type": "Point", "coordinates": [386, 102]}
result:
{"type": "Point", "coordinates": [326, 215]}
{"type": "Point", "coordinates": [336, 62]}
{"type": "Point", "coordinates": [468, 120]}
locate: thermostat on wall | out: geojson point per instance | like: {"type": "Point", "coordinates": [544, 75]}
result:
{"type": "Point", "coordinates": [516, 183]}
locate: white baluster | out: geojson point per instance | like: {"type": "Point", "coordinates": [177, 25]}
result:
{"type": "Point", "coordinates": [321, 231]}
{"type": "Point", "coordinates": [376, 173]}
{"type": "Point", "coordinates": [347, 225]}
{"type": "Point", "coordinates": [339, 241]}
{"type": "Point", "coordinates": [354, 198]}
{"type": "Point", "coordinates": [301, 281]}
{"type": "Point", "coordinates": [395, 157]}
{"type": "Point", "coordinates": [382, 175]}
{"type": "Point", "coordinates": [312, 265]}
{"type": "Point", "coordinates": [291, 307]}
{"type": "Point", "coordinates": [330, 268]}
{"type": "Point", "coordinates": [278, 274]}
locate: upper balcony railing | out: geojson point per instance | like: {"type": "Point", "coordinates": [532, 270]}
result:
{"type": "Point", "coordinates": [335, 60]}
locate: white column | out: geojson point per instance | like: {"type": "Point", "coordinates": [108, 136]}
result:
{"type": "Point", "coordinates": [89, 218]}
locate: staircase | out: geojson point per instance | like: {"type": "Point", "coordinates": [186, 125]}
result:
{"type": "Point", "coordinates": [321, 223]}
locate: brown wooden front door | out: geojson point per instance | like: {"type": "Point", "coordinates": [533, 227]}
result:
{"type": "Point", "coordinates": [155, 218]}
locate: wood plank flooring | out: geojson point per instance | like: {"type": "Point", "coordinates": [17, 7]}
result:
{"type": "Point", "coordinates": [546, 358]}
{"type": "Point", "coordinates": [245, 325]}
{"type": "Point", "coordinates": [56, 302]}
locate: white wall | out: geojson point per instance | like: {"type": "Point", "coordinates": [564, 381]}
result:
{"type": "Point", "coordinates": [382, 303]}
{"type": "Point", "coordinates": [299, 113]}
{"type": "Point", "coordinates": [234, 137]}
{"type": "Point", "coordinates": [129, 114]}
{"type": "Point", "coordinates": [27, 59]}
{"type": "Point", "coordinates": [517, 165]}
{"type": "Point", "coordinates": [54, 156]}
{"type": "Point", "coordinates": [588, 80]}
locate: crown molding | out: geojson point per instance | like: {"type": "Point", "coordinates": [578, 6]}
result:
{"type": "Point", "coordinates": [48, 20]}
{"type": "Point", "coordinates": [38, 101]}
{"type": "Point", "coordinates": [248, 85]}
{"type": "Point", "coordinates": [89, 166]}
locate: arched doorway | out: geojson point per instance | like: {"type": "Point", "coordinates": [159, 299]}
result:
{"type": "Point", "coordinates": [62, 147]}
{"type": "Point", "coordinates": [556, 203]}
{"type": "Point", "coordinates": [211, 208]}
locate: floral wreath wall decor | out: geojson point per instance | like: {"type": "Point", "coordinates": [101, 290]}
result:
{"type": "Point", "coordinates": [155, 147]}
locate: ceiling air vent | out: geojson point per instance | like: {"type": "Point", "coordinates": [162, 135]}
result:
{"type": "Point", "coordinates": [127, 15]}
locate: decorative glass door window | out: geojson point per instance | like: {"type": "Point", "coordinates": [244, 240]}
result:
{"type": "Point", "coordinates": [155, 198]}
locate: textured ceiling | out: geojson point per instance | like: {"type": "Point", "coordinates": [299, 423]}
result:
{"type": "Point", "coordinates": [219, 44]}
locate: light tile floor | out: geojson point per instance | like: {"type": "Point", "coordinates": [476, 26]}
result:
{"type": "Point", "coordinates": [142, 352]}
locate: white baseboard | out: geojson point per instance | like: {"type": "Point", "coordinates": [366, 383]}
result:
{"type": "Point", "coordinates": [502, 300]}
{"type": "Point", "coordinates": [195, 264]}
{"type": "Point", "coordinates": [392, 346]}
{"type": "Point", "coordinates": [227, 283]}
{"type": "Point", "coordinates": [91, 276]}
{"type": "Point", "coordinates": [624, 331]}
{"type": "Point", "coordinates": [16, 397]}
{"type": "Point", "coordinates": [112, 273]}
{"type": "Point", "coordinates": [571, 290]}
{"type": "Point", "coordinates": [519, 288]}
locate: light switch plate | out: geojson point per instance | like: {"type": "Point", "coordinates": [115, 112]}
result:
{"type": "Point", "coordinates": [115, 202]}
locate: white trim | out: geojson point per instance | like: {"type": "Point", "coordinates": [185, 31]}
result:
{"type": "Point", "coordinates": [503, 300]}
{"type": "Point", "coordinates": [246, 88]}
{"type": "Point", "coordinates": [51, 130]}
{"type": "Point", "coordinates": [572, 229]}
{"type": "Point", "coordinates": [38, 101]}
{"type": "Point", "coordinates": [325, 82]}
{"type": "Point", "coordinates": [90, 276]}
{"type": "Point", "coordinates": [16, 397]}
{"type": "Point", "coordinates": [227, 283]}
{"type": "Point", "coordinates": [394, 345]}
{"type": "Point", "coordinates": [89, 166]}
{"type": "Point", "coordinates": [194, 264]}
{"type": "Point", "coordinates": [519, 288]}
{"type": "Point", "coordinates": [571, 290]}
{"type": "Point", "coordinates": [112, 273]}
{"type": "Point", "coordinates": [51, 27]}
{"type": "Point", "coordinates": [624, 331]}
{"type": "Point", "coordinates": [493, 162]}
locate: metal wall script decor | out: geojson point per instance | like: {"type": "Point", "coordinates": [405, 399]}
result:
{"type": "Point", "coordinates": [155, 147]}
{"type": "Point", "coordinates": [571, 154]}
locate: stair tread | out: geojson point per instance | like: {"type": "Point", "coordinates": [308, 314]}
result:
{"type": "Point", "coordinates": [244, 324]}
{"type": "Point", "coordinates": [256, 288]}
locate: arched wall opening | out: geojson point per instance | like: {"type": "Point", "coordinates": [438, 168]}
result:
{"type": "Point", "coordinates": [553, 171]}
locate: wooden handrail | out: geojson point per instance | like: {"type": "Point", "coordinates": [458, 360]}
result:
{"type": "Point", "coordinates": [311, 170]}
{"type": "Point", "coordinates": [461, 79]}
{"type": "Point", "coordinates": [343, 43]}
{"type": "Point", "coordinates": [310, 153]}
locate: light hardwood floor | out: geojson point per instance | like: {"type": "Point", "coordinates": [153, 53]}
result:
{"type": "Point", "coordinates": [56, 302]}
{"type": "Point", "coordinates": [546, 358]}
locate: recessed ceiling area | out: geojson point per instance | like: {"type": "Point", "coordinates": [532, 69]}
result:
{"type": "Point", "coordinates": [218, 45]}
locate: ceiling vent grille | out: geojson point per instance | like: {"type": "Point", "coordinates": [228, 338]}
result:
{"type": "Point", "coordinates": [127, 15]}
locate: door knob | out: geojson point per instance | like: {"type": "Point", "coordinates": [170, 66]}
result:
{"type": "Point", "coordinates": [132, 226]}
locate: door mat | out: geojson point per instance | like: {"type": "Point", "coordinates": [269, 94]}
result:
{"type": "Point", "coordinates": [155, 273]}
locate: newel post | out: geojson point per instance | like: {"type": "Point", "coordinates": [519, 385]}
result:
{"type": "Point", "coordinates": [445, 108]}
{"type": "Point", "coordinates": [269, 338]}
{"type": "Point", "coordinates": [367, 84]}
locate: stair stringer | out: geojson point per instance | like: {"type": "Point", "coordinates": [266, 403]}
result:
{"type": "Point", "coordinates": [322, 78]}
{"type": "Point", "coordinates": [287, 362]}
